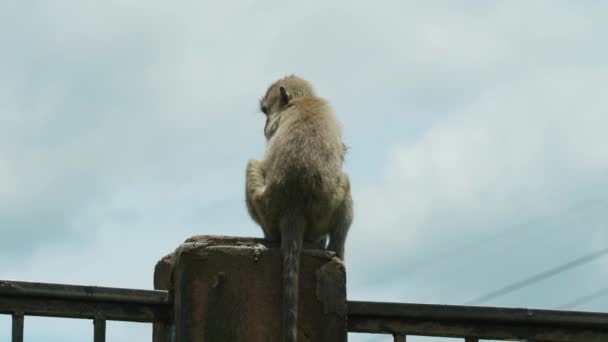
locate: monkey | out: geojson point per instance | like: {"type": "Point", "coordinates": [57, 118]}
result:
{"type": "Point", "coordinates": [299, 191]}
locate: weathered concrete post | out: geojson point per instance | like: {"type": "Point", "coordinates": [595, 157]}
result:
{"type": "Point", "coordinates": [229, 289]}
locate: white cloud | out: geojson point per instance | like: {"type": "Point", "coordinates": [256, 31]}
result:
{"type": "Point", "coordinates": [510, 155]}
{"type": "Point", "coordinates": [525, 140]}
{"type": "Point", "coordinates": [126, 126]}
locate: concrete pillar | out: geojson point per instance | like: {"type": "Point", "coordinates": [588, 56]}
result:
{"type": "Point", "coordinates": [229, 289]}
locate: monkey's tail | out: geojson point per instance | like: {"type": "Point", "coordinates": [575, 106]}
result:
{"type": "Point", "coordinates": [292, 236]}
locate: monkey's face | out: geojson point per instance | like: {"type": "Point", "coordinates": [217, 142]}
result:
{"type": "Point", "coordinates": [276, 99]}
{"type": "Point", "coordinates": [272, 125]}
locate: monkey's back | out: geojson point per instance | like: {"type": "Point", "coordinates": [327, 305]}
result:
{"type": "Point", "coordinates": [303, 163]}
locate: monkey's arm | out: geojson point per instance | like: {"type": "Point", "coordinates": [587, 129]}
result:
{"type": "Point", "coordinates": [254, 189]}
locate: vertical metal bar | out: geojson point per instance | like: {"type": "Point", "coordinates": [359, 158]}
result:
{"type": "Point", "coordinates": [100, 330]}
{"type": "Point", "coordinates": [17, 327]}
{"type": "Point", "coordinates": [163, 332]}
{"type": "Point", "coordinates": [399, 337]}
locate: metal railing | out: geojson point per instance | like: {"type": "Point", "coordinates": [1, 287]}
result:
{"type": "Point", "coordinates": [467, 322]}
{"type": "Point", "coordinates": [90, 302]}
{"type": "Point", "coordinates": [472, 323]}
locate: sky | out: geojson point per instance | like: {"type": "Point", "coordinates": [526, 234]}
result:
{"type": "Point", "coordinates": [476, 131]}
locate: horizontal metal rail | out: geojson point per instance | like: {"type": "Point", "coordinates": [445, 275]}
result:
{"type": "Point", "coordinates": [468, 322]}
{"type": "Point", "coordinates": [92, 302]}
{"type": "Point", "coordinates": [76, 292]}
{"type": "Point", "coordinates": [473, 322]}
{"type": "Point", "coordinates": [18, 298]}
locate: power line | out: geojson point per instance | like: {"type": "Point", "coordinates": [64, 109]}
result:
{"type": "Point", "coordinates": [527, 226]}
{"type": "Point", "coordinates": [522, 226]}
{"type": "Point", "coordinates": [584, 299]}
{"type": "Point", "coordinates": [538, 277]}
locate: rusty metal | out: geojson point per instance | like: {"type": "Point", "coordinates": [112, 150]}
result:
{"type": "Point", "coordinates": [99, 334]}
{"type": "Point", "coordinates": [17, 328]}
{"type": "Point", "coordinates": [477, 322]}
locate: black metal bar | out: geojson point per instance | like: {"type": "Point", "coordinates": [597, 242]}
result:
{"type": "Point", "coordinates": [77, 292]}
{"type": "Point", "coordinates": [100, 330]}
{"type": "Point", "coordinates": [469, 322]}
{"type": "Point", "coordinates": [163, 332]}
{"type": "Point", "coordinates": [17, 328]}
{"type": "Point", "coordinates": [477, 322]}
{"type": "Point", "coordinates": [479, 313]}
{"type": "Point", "coordinates": [49, 307]}
{"type": "Point", "coordinates": [72, 301]}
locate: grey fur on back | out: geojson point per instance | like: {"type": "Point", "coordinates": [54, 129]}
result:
{"type": "Point", "coordinates": [299, 192]}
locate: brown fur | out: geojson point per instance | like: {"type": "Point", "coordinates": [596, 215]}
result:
{"type": "Point", "coordinates": [299, 191]}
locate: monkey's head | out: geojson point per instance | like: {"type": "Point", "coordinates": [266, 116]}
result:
{"type": "Point", "coordinates": [277, 97]}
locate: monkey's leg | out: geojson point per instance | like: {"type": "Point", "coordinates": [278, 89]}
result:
{"type": "Point", "coordinates": [343, 217]}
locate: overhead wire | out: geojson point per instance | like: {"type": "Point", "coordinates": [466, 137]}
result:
{"type": "Point", "coordinates": [584, 299]}
{"type": "Point", "coordinates": [527, 225]}
{"type": "Point", "coordinates": [537, 277]}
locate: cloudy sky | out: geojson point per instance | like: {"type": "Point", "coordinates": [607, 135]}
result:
{"type": "Point", "coordinates": [477, 131]}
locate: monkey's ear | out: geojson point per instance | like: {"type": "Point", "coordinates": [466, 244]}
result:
{"type": "Point", "coordinates": [285, 96]}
